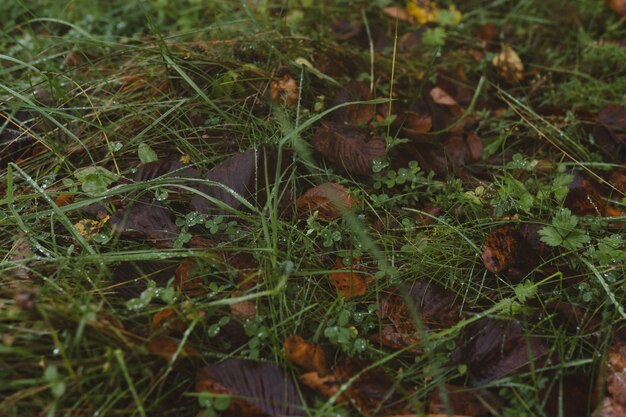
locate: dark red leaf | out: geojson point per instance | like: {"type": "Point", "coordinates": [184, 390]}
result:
{"type": "Point", "coordinates": [463, 401]}
{"type": "Point", "coordinates": [349, 147]}
{"type": "Point", "coordinates": [237, 173]}
{"type": "Point", "coordinates": [131, 278]}
{"type": "Point", "coordinates": [164, 168]}
{"type": "Point", "coordinates": [146, 221]}
{"type": "Point", "coordinates": [330, 200]}
{"type": "Point", "coordinates": [493, 348]}
{"type": "Point", "coordinates": [262, 385]}
{"type": "Point", "coordinates": [374, 391]}
{"type": "Point", "coordinates": [500, 249]}
{"type": "Point", "coordinates": [584, 197]}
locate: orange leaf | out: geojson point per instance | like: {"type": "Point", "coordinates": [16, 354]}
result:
{"type": "Point", "coordinates": [325, 385]}
{"type": "Point", "coordinates": [499, 249]}
{"type": "Point", "coordinates": [284, 91]}
{"type": "Point", "coordinates": [166, 347]}
{"type": "Point", "coordinates": [330, 200]}
{"type": "Point", "coordinates": [307, 355]}
{"type": "Point", "coordinates": [64, 199]}
{"type": "Point", "coordinates": [348, 282]}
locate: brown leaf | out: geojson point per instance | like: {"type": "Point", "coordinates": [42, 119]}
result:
{"type": "Point", "coordinates": [610, 132]}
{"type": "Point", "coordinates": [307, 355]}
{"type": "Point", "coordinates": [131, 277]}
{"type": "Point", "coordinates": [434, 306]}
{"type": "Point", "coordinates": [439, 96]}
{"type": "Point", "coordinates": [255, 385]}
{"type": "Point", "coordinates": [325, 385]}
{"type": "Point", "coordinates": [236, 173]}
{"type": "Point", "coordinates": [618, 6]}
{"type": "Point", "coordinates": [167, 321]}
{"type": "Point", "coordinates": [500, 249]}
{"type": "Point", "coordinates": [509, 65]}
{"type": "Point", "coordinates": [348, 147]}
{"type": "Point", "coordinates": [616, 380]}
{"type": "Point", "coordinates": [347, 281]}
{"type": "Point", "coordinates": [463, 401]}
{"type": "Point", "coordinates": [415, 124]}
{"type": "Point", "coordinates": [284, 91]}
{"type": "Point", "coordinates": [166, 168]}
{"type": "Point", "coordinates": [354, 114]}
{"type": "Point", "coordinates": [166, 347]}
{"type": "Point", "coordinates": [330, 200]}
{"type": "Point", "coordinates": [463, 149]}
{"type": "Point", "coordinates": [64, 199]}
{"type": "Point", "coordinates": [398, 13]}
{"type": "Point", "coordinates": [493, 348]}
{"type": "Point", "coordinates": [584, 197]}
{"type": "Point", "coordinates": [374, 391]}
{"type": "Point", "coordinates": [146, 221]}
{"type": "Point", "coordinates": [243, 309]}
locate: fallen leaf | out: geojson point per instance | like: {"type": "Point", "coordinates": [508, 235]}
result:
{"type": "Point", "coordinates": [439, 96]}
{"type": "Point", "coordinates": [131, 277]}
{"type": "Point", "coordinates": [88, 228]}
{"type": "Point", "coordinates": [514, 252]}
{"type": "Point", "coordinates": [415, 124]}
{"type": "Point", "coordinates": [307, 355]}
{"type": "Point", "coordinates": [347, 281]}
{"type": "Point", "coordinates": [243, 309]}
{"type": "Point", "coordinates": [493, 348]}
{"type": "Point", "coordinates": [167, 321]}
{"type": "Point", "coordinates": [569, 395]}
{"type": "Point", "coordinates": [584, 197]}
{"type": "Point", "coordinates": [166, 168]}
{"type": "Point", "coordinates": [64, 199]}
{"type": "Point", "coordinates": [330, 200]}
{"type": "Point", "coordinates": [284, 91]}
{"type": "Point", "coordinates": [434, 307]}
{"type": "Point", "coordinates": [398, 13]}
{"type": "Point", "coordinates": [463, 150]}
{"type": "Point", "coordinates": [20, 252]}
{"type": "Point", "coordinates": [463, 401]}
{"type": "Point", "coordinates": [509, 65]}
{"type": "Point", "coordinates": [610, 132]}
{"type": "Point", "coordinates": [146, 221]}
{"type": "Point", "coordinates": [616, 379]}
{"type": "Point", "coordinates": [500, 249]}
{"type": "Point", "coordinates": [424, 11]}
{"type": "Point", "coordinates": [373, 391]}
{"type": "Point", "coordinates": [618, 6]}
{"type": "Point", "coordinates": [348, 147]}
{"type": "Point", "coordinates": [325, 385]}
{"type": "Point", "coordinates": [166, 347]}
{"type": "Point", "coordinates": [237, 173]}
{"type": "Point", "coordinates": [253, 385]}
{"type": "Point", "coordinates": [355, 114]}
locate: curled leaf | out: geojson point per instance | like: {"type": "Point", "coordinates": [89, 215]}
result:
{"type": "Point", "coordinates": [307, 355]}
{"type": "Point", "coordinates": [508, 64]}
{"type": "Point", "coordinates": [284, 91]}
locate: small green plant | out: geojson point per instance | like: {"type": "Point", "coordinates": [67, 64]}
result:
{"type": "Point", "coordinates": [563, 232]}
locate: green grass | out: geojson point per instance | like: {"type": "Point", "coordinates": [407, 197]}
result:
{"type": "Point", "coordinates": [190, 79]}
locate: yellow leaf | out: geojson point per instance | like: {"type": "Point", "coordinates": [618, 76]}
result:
{"type": "Point", "coordinates": [509, 64]}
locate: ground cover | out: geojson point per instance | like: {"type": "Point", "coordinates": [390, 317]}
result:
{"type": "Point", "coordinates": [312, 208]}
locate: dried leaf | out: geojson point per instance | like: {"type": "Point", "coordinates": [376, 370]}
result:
{"type": "Point", "coordinates": [284, 91]}
{"type": "Point", "coordinates": [508, 64]}
{"type": "Point", "coordinates": [373, 391]}
{"type": "Point", "coordinates": [167, 168]}
{"type": "Point", "coordinates": [347, 281]}
{"type": "Point", "coordinates": [493, 348]}
{"type": "Point", "coordinates": [434, 306]}
{"type": "Point", "coordinates": [64, 199]}
{"type": "Point", "coordinates": [618, 6]}
{"type": "Point", "coordinates": [355, 114]}
{"type": "Point", "coordinates": [307, 355]}
{"type": "Point", "coordinates": [131, 278]}
{"type": "Point", "coordinates": [500, 249]}
{"type": "Point", "coordinates": [415, 124]}
{"type": "Point", "coordinates": [439, 96]}
{"type": "Point", "coordinates": [237, 173]}
{"type": "Point", "coordinates": [330, 200]}
{"type": "Point", "coordinates": [398, 13]}
{"type": "Point", "coordinates": [243, 309]}
{"type": "Point", "coordinates": [146, 221]}
{"type": "Point", "coordinates": [610, 132]}
{"type": "Point", "coordinates": [463, 401]}
{"type": "Point", "coordinates": [166, 347]}
{"type": "Point", "coordinates": [348, 147]}
{"type": "Point", "coordinates": [88, 228]}
{"type": "Point", "coordinates": [584, 197]}
{"type": "Point", "coordinates": [325, 385]}
{"type": "Point", "coordinates": [253, 385]}
{"type": "Point", "coordinates": [167, 321]}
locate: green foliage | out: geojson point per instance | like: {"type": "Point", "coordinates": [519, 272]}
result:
{"type": "Point", "coordinates": [146, 153]}
{"type": "Point", "coordinates": [563, 231]}
{"type": "Point", "coordinates": [95, 180]}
